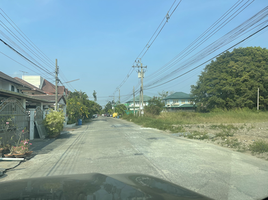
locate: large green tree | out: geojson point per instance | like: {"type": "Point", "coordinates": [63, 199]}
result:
{"type": "Point", "coordinates": [232, 80]}
{"type": "Point", "coordinates": [155, 106]}
{"type": "Point", "coordinates": [80, 107]}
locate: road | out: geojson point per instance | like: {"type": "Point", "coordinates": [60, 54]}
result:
{"type": "Point", "coordinates": [113, 146]}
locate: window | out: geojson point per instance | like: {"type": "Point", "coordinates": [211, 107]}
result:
{"type": "Point", "coordinates": [183, 101]}
{"type": "Point", "coordinates": [12, 88]}
{"type": "Point", "coordinates": [18, 91]}
{"type": "Point", "coordinates": [175, 101]}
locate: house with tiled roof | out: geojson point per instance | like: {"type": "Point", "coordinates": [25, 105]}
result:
{"type": "Point", "coordinates": [131, 104]}
{"type": "Point", "coordinates": [49, 91]}
{"type": "Point", "coordinates": [45, 85]}
{"type": "Point", "coordinates": [31, 90]}
{"type": "Point", "coordinates": [11, 87]}
{"type": "Point", "coordinates": [179, 101]}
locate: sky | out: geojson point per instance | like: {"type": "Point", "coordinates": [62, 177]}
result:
{"type": "Point", "coordinates": [98, 42]}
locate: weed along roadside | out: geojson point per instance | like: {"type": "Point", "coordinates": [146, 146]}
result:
{"type": "Point", "coordinates": [240, 130]}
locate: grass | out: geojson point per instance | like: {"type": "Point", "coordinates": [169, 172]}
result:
{"type": "Point", "coordinates": [174, 121]}
{"type": "Point", "coordinates": [259, 147]}
{"type": "Point", "coordinates": [197, 135]}
{"type": "Point", "coordinates": [233, 116]}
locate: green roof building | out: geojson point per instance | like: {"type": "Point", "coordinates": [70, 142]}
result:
{"type": "Point", "coordinates": [179, 101]}
{"type": "Point", "coordinates": [130, 106]}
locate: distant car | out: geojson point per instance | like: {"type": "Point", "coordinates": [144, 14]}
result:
{"type": "Point", "coordinates": [107, 115]}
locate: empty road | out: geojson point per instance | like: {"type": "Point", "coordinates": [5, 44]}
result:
{"type": "Point", "coordinates": [114, 146]}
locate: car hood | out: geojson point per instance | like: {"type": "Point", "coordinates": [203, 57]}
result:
{"type": "Point", "coordinates": [95, 186]}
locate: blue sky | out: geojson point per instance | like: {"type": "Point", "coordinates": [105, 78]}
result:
{"type": "Point", "coordinates": [98, 41]}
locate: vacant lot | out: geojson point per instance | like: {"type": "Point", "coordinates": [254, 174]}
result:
{"type": "Point", "coordinates": [241, 130]}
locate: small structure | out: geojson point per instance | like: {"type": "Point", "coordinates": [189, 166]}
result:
{"type": "Point", "coordinates": [130, 105]}
{"type": "Point", "coordinates": [179, 101]}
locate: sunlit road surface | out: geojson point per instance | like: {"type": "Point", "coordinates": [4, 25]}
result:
{"type": "Point", "coordinates": [114, 146]}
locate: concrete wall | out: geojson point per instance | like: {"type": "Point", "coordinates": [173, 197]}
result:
{"type": "Point", "coordinates": [37, 81]}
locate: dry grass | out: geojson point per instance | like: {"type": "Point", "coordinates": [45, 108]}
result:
{"type": "Point", "coordinates": [235, 116]}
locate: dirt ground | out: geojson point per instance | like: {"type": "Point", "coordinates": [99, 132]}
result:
{"type": "Point", "coordinates": [237, 136]}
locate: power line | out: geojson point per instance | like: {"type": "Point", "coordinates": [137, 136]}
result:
{"type": "Point", "coordinates": [210, 58]}
{"type": "Point", "coordinates": [23, 65]}
{"type": "Point", "coordinates": [26, 38]}
{"type": "Point", "coordinates": [149, 43]}
{"type": "Point", "coordinates": [25, 57]}
{"type": "Point", "coordinates": [193, 46]}
{"type": "Point", "coordinates": [229, 37]}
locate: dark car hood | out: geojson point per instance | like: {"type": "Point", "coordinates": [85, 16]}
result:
{"type": "Point", "coordinates": [95, 186]}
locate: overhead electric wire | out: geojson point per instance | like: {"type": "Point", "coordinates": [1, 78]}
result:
{"type": "Point", "coordinates": [229, 37]}
{"type": "Point", "coordinates": [194, 46]}
{"type": "Point", "coordinates": [24, 45]}
{"type": "Point", "coordinates": [147, 45]}
{"type": "Point", "coordinates": [210, 58]}
{"type": "Point", "coordinates": [24, 56]}
{"type": "Point", "coordinates": [23, 65]}
{"type": "Point", "coordinates": [22, 50]}
{"type": "Point", "coordinates": [25, 36]}
{"type": "Point", "coordinates": [36, 52]}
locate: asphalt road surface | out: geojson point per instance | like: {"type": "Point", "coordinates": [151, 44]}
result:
{"type": "Point", "coordinates": [114, 146]}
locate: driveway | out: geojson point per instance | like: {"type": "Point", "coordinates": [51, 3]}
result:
{"type": "Point", "coordinates": [114, 146]}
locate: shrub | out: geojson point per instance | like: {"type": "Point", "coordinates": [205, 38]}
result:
{"type": "Point", "coordinates": [259, 147]}
{"type": "Point", "coordinates": [155, 106]}
{"type": "Point", "coordinates": [54, 122]}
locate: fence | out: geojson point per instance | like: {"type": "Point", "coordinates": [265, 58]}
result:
{"type": "Point", "coordinates": [14, 121]}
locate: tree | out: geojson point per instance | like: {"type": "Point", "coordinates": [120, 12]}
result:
{"type": "Point", "coordinates": [232, 80]}
{"type": "Point", "coordinates": [164, 94]}
{"type": "Point", "coordinates": [120, 109]}
{"type": "Point", "coordinates": [95, 95]}
{"type": "Point", "coordinates": [80, 107]}
{"type": "Point", "coordinates": [155, 106]}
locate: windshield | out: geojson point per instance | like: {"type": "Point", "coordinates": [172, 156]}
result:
{"type": "Point", "coordinates": [175, 90]}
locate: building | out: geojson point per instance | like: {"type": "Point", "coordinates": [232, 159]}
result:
{"type": "Point", "coordinates": [130, 105]}
{"type": "Point", "coordinates": [179, 101]}
{"type": "Point", "coordinates": [45, 85]}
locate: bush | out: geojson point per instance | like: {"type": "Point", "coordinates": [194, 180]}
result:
{"type": "Point", "coordinates": [155, 106]}
{"type": "Point", "coordinates": [259, 147]}
{"type": "Point", "coordinates": [54, 122]}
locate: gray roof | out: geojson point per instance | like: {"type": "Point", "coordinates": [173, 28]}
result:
{"type": "Point", "coordinates": [137, 98]}
{"type": "Point", "coordinates": [32, 87]}
{"type": "Point", "coordinates": [50, 98]}
{"type": "Point", "coordinates": [179, 95]}
{"type": "Point", "coordinates": [6, 93]}
{"type": "Point", "coordinates": [10, 79]}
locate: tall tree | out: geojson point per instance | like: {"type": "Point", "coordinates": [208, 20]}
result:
{"type": "Point", "coordinates": [95, 95]}
{"type": "Point", "coordinates": [232, 80]}
{"type": "Point", "coordinates": [164, 94]}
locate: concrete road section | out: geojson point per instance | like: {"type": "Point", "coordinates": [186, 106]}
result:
{"type": "Point", "coordinates": [114, 146]}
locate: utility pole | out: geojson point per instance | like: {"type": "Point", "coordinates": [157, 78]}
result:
{"type": "Point", "coordinates": [114, 106]}
{"type": "Point", "coordinates": [119, 95]}
{"type": "Point", "coordinates": [258, 98]}
{"type": "Point", "coordinates": [141, 75]}
{"type": "Point", "coordinates": [142, 110]}
{"type": "Point", "coordinates": [56, 86]}
{"type": "Point", "coordinates": [134, 99]}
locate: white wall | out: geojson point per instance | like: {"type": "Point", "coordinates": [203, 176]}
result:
{"type": "Point", "coordinates": [37, 81]}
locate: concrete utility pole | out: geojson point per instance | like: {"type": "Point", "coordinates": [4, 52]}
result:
{"type": "Point", "coordinates": [56, 86]}
{"type": "Point", "coordinates": [119, 95]}
{"type": "Point", "coordinates": [134, 99]}
{"type": "Point", "coordinates": [258, 98]}
{"type": "Point", "coordinates": [142, 112]}
{"type": "Point", "coordinates": [141, 75]}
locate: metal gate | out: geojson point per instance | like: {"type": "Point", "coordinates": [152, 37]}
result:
{"type": "Point", "coordinates": [38, 120]}
{"type": "Point", "coordinates": [13, 119]}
